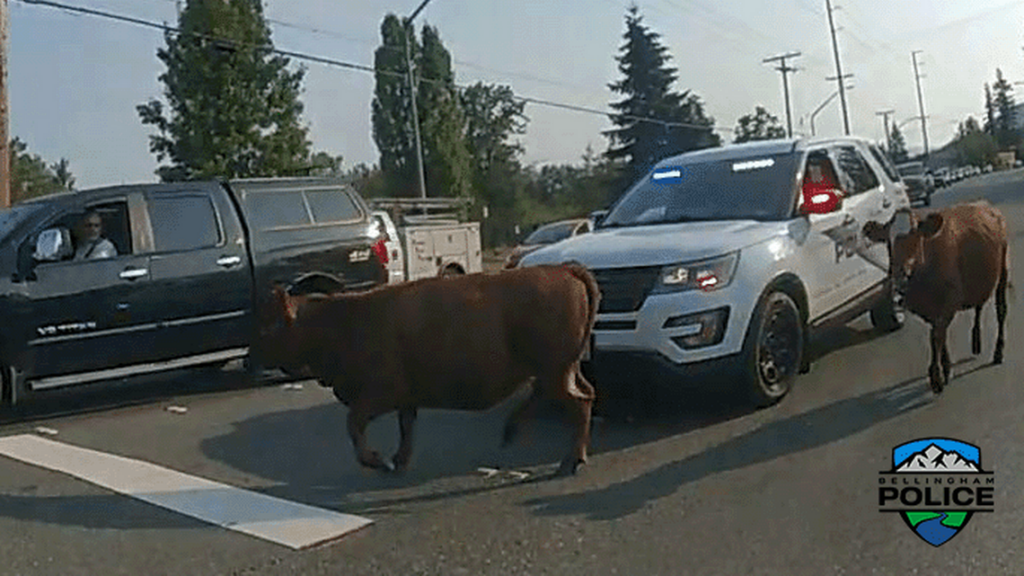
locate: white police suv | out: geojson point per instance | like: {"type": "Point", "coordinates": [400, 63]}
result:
{"type": "Point", "coordinates": [724, 261]}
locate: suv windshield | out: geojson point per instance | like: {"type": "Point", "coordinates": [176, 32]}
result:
{"type": "Point", "coordinates": [755, 188]}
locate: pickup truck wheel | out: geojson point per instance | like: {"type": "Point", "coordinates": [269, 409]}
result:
{"type": "Point", "coordinates": [889, 315]}
{"type": "Point", "coordinates": [772, 350]}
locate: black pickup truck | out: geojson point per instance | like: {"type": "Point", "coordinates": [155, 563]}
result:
{"type": "Point", "coordinates": [195, 265]}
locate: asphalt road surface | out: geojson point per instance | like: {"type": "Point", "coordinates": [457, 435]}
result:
{"type": "Point", "coordinates": [702, 489]}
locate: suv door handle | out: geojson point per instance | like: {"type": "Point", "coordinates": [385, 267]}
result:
{"type": "Point", "coordinates": [847, 220]}
{"type": "Point", "coordinates": [886, 203]}
{"type": "Point", "coordinates": [228, 261]}
{"type": "Point", "coordinates": [133, 273]}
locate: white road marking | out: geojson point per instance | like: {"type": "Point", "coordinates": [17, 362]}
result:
{"type": "Point", "coordinates": [280, 521]}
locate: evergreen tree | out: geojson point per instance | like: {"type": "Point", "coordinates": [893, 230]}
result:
{"type": "Point", "coordinates": [392, 117]}
{"type": "Point", "coordinates": [446, 158]}
{"type": "Point", "coordinates": [1005, 132]}
{"type": "Point", "coordinates": [760, 125]}
{"type": "Point", "coordinates": [442, 125]}
{"type": "Point", "coordinates": [897, 146]}
{"type": "Point", "coordinates": [232, 104]}
{"type": "Point", "coordinates": [647, 86]}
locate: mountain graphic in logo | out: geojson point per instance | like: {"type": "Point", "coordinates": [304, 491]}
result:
{"type": "Point", "coordinates": [936, 485]}
{"type": "Point", "coordinates": [935, 459]}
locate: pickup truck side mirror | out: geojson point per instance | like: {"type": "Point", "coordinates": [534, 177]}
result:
{"type": "Point", "coordinates": [53, 244]}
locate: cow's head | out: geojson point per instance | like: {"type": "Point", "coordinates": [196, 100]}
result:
{"type": "Point", "coordinates": [275, 342]}
{"type": "Point", "coordinates": [904, 235]}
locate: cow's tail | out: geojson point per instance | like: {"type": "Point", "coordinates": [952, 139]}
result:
{"type": "Point", "coordinates": [593, 299]}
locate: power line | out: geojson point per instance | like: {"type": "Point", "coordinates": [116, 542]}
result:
{"type": "Point", "coordinates": [347, 65]}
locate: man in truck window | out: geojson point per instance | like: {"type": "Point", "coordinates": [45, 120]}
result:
{"type": "Point", "coordinates": [89, 242]}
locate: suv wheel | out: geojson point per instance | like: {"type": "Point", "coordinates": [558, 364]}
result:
{"type": "Point", "coordinates": [889, 315]}
{"type": "Point", "coordinates": [773, 350]}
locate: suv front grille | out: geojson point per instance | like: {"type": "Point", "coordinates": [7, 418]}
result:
{"type": "Point", "coordinates": [625, 289]}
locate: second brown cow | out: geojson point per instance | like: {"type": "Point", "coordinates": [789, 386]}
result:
{"type": "Point", "coordinates": [952, 260]}
{"type": "Point", "coordinates": [464, 343]}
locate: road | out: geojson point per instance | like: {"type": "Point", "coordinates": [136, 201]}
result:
{"type": "Point", "coordinates": [702, 490]}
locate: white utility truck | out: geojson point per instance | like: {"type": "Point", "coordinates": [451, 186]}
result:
{"type": "Point", "coordinates": [434, 240]}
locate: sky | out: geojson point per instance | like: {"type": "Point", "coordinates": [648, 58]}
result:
{"type": "Point", "coordinates": [75, 80]}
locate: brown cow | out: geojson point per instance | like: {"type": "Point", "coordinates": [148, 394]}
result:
{"type": "Point", "coordinates": [464, 343]}
{"type": "Point", "coordinates": [948, 262]}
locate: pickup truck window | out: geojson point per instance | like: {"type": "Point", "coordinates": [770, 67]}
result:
{"type": "Point", "coordinates": [269, 210]}
{"type": "Point", "coordinates": [183, 223]}
{"type": "Point", "coordinates": [331, 206]}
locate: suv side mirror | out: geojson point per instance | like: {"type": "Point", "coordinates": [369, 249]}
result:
{"type": "Point", "coordinates": [822, 202]}
{"type": "Point", "coordinates": [53, 244]}
{"type": "Point", "coordinates": [597, 216]}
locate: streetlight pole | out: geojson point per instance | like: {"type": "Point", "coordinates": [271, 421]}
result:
{"type": "Point", "coordinates": [411, 29]}
{"type": "Point", "coordinates": [886, 114]}
{"type": "Point", "coordinates": [822, 107]}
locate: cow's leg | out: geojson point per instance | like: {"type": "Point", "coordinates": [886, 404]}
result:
{"type": "Point", "coordinates": [406, 420]}
{"type": "Point", "coordinates": [997, 357]}
{"type": "Point", "coordinates": [579, 397]}
{"type": "Point", "coordinates": [524, 410]}
{"type": "Point", "coordinates": [976, 332]}
{"type": "Point", "coordinates": [937, 371]}
{"type": "Point", "coordinates": [359, 417]}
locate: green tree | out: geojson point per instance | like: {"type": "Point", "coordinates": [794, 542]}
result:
{"type": "Point", "coordinates": [647, 86]}
{"type": "Point", "coordinates": [1005, 131]}
{"type": "Point", "coordinates": [233, 106]}
{"type": "Point", "coordinates": [391, 115]}
{"type": "Point", "coordinates": [897, 145]}
{"type": "Point", "coordinates": [493, 117]}
{"type": "Point", "coordinates": [973, 145]}
{"type": "Point", "coordinates": [31, 177]}
{"type": "Point", "coordinates": [442, 125]}
{"type": "Point", "coordinates": [760, 125]}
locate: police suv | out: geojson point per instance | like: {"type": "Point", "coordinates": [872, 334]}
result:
{"type": "Point", "coordinates": [724, 261]}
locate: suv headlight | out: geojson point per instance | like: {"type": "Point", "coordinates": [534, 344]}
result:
{"type": "Point", "coordinates": [707, 275]}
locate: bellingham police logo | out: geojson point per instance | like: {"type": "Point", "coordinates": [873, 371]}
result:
{"type": "Point", "coordinates": [936, 485]}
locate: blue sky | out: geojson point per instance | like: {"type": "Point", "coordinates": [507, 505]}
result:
{"type": "Point", "coordinates": [75, 80]}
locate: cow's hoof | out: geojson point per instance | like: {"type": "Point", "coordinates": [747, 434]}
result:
{"type": "Point", "coordinates": [936, 386]}
{"type": "Point", "coordinates": [399, 464]}
{"type": "Point", "coordinates": [375, 462]}
{"type": "Point", "coordinates": [997, 358]}
{"type": "Point", "coordinates": [570, 466]}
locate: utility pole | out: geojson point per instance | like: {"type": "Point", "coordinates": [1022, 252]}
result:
{"type": "Point", "coordinates": [886, 113]}
{"type": "Point", "coordinates": [839, 69]}
{"type": "Point", "coordinates": [5, 136]}
{"type": "Point", "coordinates": [411, 29]}
{"type": "Point", "coordinates": [785, 83]}
{"type": "Point", "coordinates": [920, 104]}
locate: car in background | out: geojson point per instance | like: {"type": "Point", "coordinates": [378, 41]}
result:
{"type": "Point", "coordinates": [717, 265]}
{"type": "Point", "coordinates": [919, 181]}
{"type": "Point", "coordinates": [546, 235]}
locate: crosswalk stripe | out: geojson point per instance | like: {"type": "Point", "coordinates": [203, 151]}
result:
{"type": "Point", "coordinates": [291, 524]}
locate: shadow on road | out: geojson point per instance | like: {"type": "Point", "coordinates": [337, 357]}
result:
{"type": "Point", "coordinates": [104, 512]}
{"type": "Point", "coordinates": [798, 433]}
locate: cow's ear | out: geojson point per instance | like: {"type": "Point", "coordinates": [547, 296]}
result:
{"type": "Point", "coordinates": [931, 225]}
{"type": "Point", "coordinates": [876, 232]}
